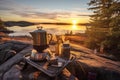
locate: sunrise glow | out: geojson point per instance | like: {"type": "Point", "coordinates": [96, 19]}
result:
{"type": "Point", "coordinates": [74, 22]}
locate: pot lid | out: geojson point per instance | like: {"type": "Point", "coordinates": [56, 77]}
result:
{"type": "Point", "coordinates": [39, 30]}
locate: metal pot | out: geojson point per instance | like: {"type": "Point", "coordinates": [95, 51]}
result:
{"type": "Point", "coordinates": [40, 39]}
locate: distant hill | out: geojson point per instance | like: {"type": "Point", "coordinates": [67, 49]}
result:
{"type": "Point", "coordinates": [61, 23]}
{"type": "Point", "coordinates": [3, 28]}
{"type": "Point", "coordinates": [18, 23]}
{"type": "Point", "coordinates": [25, 23]}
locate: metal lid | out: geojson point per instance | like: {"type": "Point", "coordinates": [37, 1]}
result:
{"type": "Point", "coordinates": [39, 30]}
{"type": "Point", "coordinates": [66, 45]}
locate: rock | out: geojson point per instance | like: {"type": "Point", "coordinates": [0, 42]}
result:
{"type": "Point", "coordinates": [82, 70]}
{"type": "Point", "coordinates": [7, 54]}
{"type": "Point", "coordinates": [15, 59]}
{"type": "Point", "coordinates": [87, 66]}
{"type": "Point", "coordinates": [8, 49]}
{"type": "Point", "coordinates": [14, 45]}
{"type": "Point", "coordinates": [13, 73]}
{"type": "Point", "coordinates": [104, 68]}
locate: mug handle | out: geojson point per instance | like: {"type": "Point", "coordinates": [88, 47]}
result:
{"type": "Point", "coordinates": [51, 36]}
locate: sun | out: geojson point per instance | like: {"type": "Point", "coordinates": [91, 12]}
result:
{"type": "Point", "coordinates": [74, 26]}
{"type": "Point", "coordinates": [74, 22]}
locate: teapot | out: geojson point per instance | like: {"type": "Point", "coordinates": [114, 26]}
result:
{"type": "Point", "coordinates": [40, 39]}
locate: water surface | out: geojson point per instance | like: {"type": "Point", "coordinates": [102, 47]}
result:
{"type": "Point", "coordinates": [54, 29]}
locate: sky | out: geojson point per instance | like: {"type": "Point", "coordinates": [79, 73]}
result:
{"type": "Point", "coordinates": [45, 10]}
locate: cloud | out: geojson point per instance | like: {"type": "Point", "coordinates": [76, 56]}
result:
{"type": "Point", "coordinates": [12, 5]}
{"type": "Point", "coordinates": [4, 5]}
{"type": "Point", "coordinates": [5, 8]}
{"type": "Point", "coordinates": [84, 15]}
{"type": "Point", "coordinates": [46, 15]}
{"type": "Point", "coordinates": [24, 11]}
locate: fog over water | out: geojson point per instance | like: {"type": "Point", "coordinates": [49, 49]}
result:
{"type": "Point", "coordinates": [54, 29]}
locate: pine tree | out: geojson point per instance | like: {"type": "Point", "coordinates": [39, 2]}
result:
{"type": "Point", "coordinates": [112, 42]}
{"type": "Point", "coordinates": [105, 23]}
{"type": "Point", "coordinates": [2, 27]}
{"type": "Point", "coordinates": [100, 22]}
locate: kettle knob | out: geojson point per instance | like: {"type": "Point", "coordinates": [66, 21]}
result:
{"type": "Point", "coordinates": [39, 27]}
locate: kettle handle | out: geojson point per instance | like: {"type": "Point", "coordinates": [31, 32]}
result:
{"type": "Point", "coordinates": [51, 36]}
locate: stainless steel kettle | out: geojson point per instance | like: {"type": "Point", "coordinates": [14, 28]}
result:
{"type": "Point", "coordinates": [40, 39]}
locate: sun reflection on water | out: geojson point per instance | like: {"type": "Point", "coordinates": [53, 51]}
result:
{"type": "Point", "coordinates": [74, 27]}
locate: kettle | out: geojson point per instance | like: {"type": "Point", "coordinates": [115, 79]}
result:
{"type": "Point", "coordinates": [40, 39]}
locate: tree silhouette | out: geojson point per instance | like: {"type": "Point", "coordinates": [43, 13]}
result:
{"type": "Point", "coordinates": [105, 23]}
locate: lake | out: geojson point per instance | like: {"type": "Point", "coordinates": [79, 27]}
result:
{"type": "Point", "coordinates": [54, 29]}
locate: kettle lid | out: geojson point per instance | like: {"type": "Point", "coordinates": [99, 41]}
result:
{"type": "Point", "coordinates": [39, 30]}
